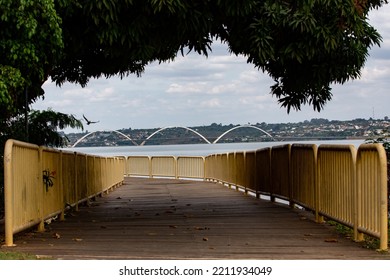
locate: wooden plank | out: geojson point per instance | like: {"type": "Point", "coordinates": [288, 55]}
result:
{"type": "Point", "coordinates": [180, 219]}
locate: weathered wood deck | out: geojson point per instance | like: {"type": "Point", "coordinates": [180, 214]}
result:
{"type": "Point", "coordinates": [176, 219]}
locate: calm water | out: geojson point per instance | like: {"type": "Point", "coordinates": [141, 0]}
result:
{"type": "Point", "coordinates": [194, 149]}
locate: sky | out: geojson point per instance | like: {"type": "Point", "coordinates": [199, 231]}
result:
{"type": "Point", "coordinates": [223, 88]}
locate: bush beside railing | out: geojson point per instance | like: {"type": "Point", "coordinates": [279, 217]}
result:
{"type": "Point", "coordinates": [41, 183]}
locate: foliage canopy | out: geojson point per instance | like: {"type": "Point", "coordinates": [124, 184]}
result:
{"type": "Point", "coordinates": [30, 44]}
{"type": "Point", "coordinates": [305, 45]}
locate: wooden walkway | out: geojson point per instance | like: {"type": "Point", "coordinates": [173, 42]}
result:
{"type": "Point", "coordinates": [177, 219]}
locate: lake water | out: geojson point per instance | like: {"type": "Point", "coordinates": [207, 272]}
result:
{"type": "Point", "coordinates": [195, 149]}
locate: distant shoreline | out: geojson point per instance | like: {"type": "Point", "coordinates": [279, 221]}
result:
{"type": "Point", "coordinates": [314, 130]}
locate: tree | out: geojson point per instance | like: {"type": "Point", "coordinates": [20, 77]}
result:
{"type": "Point", "coordinates": [305, 46]}
{"type": "Point", "coordinates": [43, 130]}
{"type": "Point", "coordinates": [30, 44]}
{"type": "Point", "coordinates": [43, 127]}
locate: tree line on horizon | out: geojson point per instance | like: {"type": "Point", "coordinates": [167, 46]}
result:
{"type": "Point", "coordinates": [304, 130]}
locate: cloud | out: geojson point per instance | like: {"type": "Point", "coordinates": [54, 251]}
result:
{"type": "Point", "coordinates": [211, 103]}
{"type": "Point", "coordinates": [131, 104]}
{"type": "Point", "coordinates": [376, 73]}
{"type": "Point", "coordinates": [250, 76]}
{"type": "Point", "coordinates": [192, 87]}
{"type": "Point", "coordinates": [106, 94]}
{"type": "Point", "coordinates": [222, 88]}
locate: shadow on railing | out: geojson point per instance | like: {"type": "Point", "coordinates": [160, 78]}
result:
{"type": "Point", "coordinates": [40, 183]}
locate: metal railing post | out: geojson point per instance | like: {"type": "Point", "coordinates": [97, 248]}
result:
{"type": "Point", "coordinates": [8, 197]}
{"type": "Point", "coordinates": [61, 182]}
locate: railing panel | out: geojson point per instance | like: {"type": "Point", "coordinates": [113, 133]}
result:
{"type": "Point", "coordinates": [81, 179]}
{"type": "Point", "coordinates": [223, 169]}
{"type": "Point", "coordinates": [121, 162]}
{"type": "Point", "coordinates": [372, 194]}
{"type": "Point", "coordinates": [53, 199]}
{"type": "Point", "coordinates": [91, 175]}
{"type": "Point", "coordinates": [163, 166]}
{"type": "Point", "coordinates": [208, 165]}
{"type": "Point", "coordinates": [230, 168]}
{"type": "Point", "coordinates": [303, 174]}
{"type": "Point", "coordinates": [240, 169]}
{"type": "Point", "coordinates": [190, 167]}
{"type": "Point", "coordinates": [223, 172]}
{"type": "Point", "coordinates": [263, 168]}
{"type": "Point", "coordinates": [280, 171]}
{"type": "Point", "coordinates": [23, 205]}
{"type": "Point", "coordinates": [105, 177]}
{"type": "Point", "coordinates": [336, 181]}
{"type": "Point", "coordinates": [69, 177]}
{"type": "Point", "coordinates": [38, 183]}
{"type": "Point", "coordinates": [218, 169]}
{"type": "Point", "coordinates": [138, 166]}
{"type": "Point", "coordinates": [250, 170]}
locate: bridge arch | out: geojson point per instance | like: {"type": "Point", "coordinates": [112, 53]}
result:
{"type": "Point", "coordinates": [240, 126]}
{"type": "Point", "coordinates": [88, 134]}
{"type": "Point", "coordinates": [168, 127]}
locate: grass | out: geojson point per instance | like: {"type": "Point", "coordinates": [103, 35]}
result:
{"type": "Point", "coordinates": [14, 255]}
{"type": "Point", "coordinates": [5, 255]}
{"type": "Point", "coordinates": [369, 241]}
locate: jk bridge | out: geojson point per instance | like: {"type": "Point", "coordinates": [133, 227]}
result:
{"type": "Point", "coordinates": [271, 138]}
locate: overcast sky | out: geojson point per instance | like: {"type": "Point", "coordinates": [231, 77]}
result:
{"type": "Point", "coordinates": [223, 88]}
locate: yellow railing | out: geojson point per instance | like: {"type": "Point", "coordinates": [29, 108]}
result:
{"type": "Point", "coordinates": [372, 196]}
{"type": "Point", "coordinates": [138, 166]}
{"type": "Point", "coordinates": [334, 181]}
{"type": "Point", "coordinates": [303, 161]}
{"type": "Point", "coordinates": [341, 183]}
{"type": "Point", "coordinates": [263, 171]}
{"type": "Point", "coordinates": [337, 186]}
{"type": "Point", "coordinates": [41, 183]}
{"type": "Point", "coordinates": [190, 167]}
{"type": "Point", "coordinates": [166, 166]}
{"type": "Point", "coordinates": [280, 172]}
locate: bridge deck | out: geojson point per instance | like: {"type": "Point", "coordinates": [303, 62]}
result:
{"type": "Point", "coordinates": [176, 219]}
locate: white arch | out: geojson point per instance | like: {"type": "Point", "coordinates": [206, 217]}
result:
{"type": "Point", "coordinates": [118, 132]}
{"type": "Point", "coordinates": [244, 125]}
{"type": "Point", "coordinates": [168, 127]}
